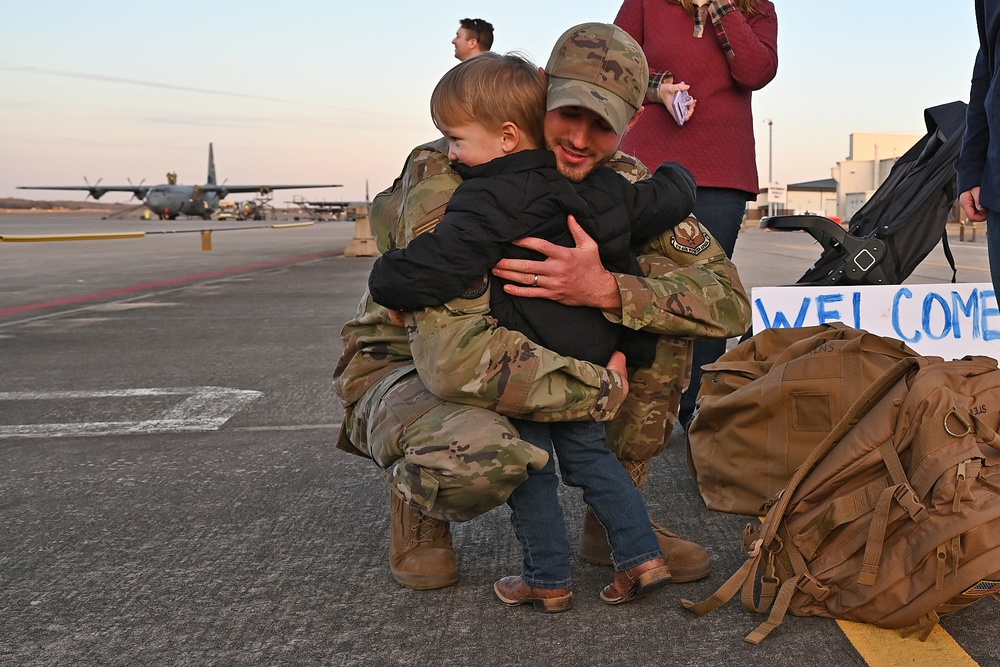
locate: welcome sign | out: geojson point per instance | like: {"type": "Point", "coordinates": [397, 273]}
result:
{"type": "Point", "coordinates": [948, 320]}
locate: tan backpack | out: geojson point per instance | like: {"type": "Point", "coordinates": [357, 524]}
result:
{"type": "Point", "coordinates": [894, 518]}
{"type": "Point", "coordinates": [767, 403]}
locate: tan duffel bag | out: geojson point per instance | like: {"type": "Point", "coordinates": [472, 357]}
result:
{"type": "Point", "coordinates": [765, 404]}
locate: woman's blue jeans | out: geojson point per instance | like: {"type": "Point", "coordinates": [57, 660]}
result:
{"type": "Point", "coordinates": [584, 462]}
{"type": "Point", "coordinates": [720, 211]}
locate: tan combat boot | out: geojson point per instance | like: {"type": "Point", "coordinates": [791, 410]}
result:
{"type": "Point", "coordinates": [687, 561]}
{"type": "Point", "coordinates": [421, 555]}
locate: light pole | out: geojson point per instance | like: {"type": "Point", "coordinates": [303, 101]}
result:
{"type": "Point", "coordinates": [770, 164]}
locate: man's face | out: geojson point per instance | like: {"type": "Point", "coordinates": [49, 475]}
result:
{"type": "Point", "coordinates": [581, 140]}
{"type": "Point", "coordinates": [466, 44]}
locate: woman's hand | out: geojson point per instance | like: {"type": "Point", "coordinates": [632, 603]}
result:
{"type": "Point", "coordinates": [666, 92]}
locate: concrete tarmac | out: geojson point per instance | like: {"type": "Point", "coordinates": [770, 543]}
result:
{"type": "Point", "coordinates": [170, 493]}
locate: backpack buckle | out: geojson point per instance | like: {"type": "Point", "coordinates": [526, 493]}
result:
{"type": "Point", "coordinates": [907, 499]}
{"type": "Point", "coordinates": [808, 585]}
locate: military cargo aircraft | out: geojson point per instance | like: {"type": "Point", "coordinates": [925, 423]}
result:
{"type": "Point", "coordinates": [170, 200]}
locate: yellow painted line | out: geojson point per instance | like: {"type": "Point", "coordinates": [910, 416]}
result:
{"type": "Point", "coordinates": [293, 224]}
{"type": "Point", "coordinates": [70, 237]}
{"type": "Point", "coordinates": [885, 648]}
{"type": "Point", "coordinates": [960, 266]}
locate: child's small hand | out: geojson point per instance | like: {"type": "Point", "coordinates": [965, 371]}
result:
{"type": "Point", "coordinates": [396, 317]}
{"type": "Point", "coordinates": [617, 364]}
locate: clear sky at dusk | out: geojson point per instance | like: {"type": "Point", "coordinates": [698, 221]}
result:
{"type": "Point", "coordinates": [337, 92]}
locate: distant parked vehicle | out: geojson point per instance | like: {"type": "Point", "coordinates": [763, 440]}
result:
{"type": "Point", "coordinates": [228, 211]}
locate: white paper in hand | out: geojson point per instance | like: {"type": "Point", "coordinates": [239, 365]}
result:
{"type": "Point", "coordinates": [679, 109]}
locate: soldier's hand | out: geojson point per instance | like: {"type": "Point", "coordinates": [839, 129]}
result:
{"type": "Point", "coordinates": [571, 276]}
{"type": "Point", "coordinates": [969, 201]}
{"type": "Point", "coordinates": [617, 364]}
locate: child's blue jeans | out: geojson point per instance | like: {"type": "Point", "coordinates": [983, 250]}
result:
{"type": "Point", "coordinates": [585, 462]}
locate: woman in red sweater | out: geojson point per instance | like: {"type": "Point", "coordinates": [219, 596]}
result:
{"type": "Point", "coordinates": [719, 51]}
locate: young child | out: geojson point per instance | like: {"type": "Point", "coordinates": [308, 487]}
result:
{"type": "Point", "coordinates": [491, 109]}
{"type": "Point", "coordinates": [492, 113]}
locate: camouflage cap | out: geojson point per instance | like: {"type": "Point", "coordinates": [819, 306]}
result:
{"type": "Point", "coordinates": [598, 66]}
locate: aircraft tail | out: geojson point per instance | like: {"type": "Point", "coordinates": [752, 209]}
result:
{"type": "Point", "coordinates": [211, 166]}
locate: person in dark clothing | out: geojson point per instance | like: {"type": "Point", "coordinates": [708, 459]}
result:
{"type": "Point", "coordinates": [490, 108]}
{"type": "Point", "coordinates": [978, 167]}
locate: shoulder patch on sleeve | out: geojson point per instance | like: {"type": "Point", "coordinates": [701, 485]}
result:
{"type": "Point", "coordinates": [477, 289]}
{"type": "Point", "coordinates": [690, 237]}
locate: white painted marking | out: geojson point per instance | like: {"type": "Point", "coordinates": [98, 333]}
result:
{"type": "Point", "coordinates": [203, 409]}
{"type": "Point", "coordinates": [115, 306]}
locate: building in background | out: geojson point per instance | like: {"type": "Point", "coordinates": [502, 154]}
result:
{"type": "Point", "coordinates": [808, 197]}
{"type": "Point", "coordinates": [854, 180]}
{"type": "Point", "coordinates": [868, 163]}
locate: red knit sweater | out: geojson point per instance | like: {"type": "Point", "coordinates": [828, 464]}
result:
{"type": "Point", "coordinates": [717, 143]}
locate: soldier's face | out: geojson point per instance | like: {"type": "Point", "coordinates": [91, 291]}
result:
{"type": "Point", "coordinates": [581, 140]}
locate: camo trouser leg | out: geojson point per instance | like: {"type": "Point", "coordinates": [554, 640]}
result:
{"type": "Point", "coordinates": [452, 461]}
{"type": "Point", "coordinates": [644, 424]}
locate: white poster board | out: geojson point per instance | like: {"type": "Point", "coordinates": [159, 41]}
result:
{"type": "Point", "coordinates": [777, 193]}
{"type": "Point", "coordinates": [943, 320]}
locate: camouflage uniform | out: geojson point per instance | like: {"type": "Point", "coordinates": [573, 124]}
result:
{"type": "Point", "coordinates": [425, 402]}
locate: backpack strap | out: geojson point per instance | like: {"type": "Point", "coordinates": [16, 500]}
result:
{"type": "Point", "coordinates": [800, 579]}
{"type": "Point", "coordinates": [726, 592]}
{"type": "Point", "coordinates": [777, 615]}
{"type": "Point", "coordinates": [947, 253]}
{"type": "Point", "coordinates": [839, 511]}
{"type": "Point", "coordinates": [986, 434]}
{"type": "Point", "coordinates": [902, 493]}
{"type": "Point", "coordinates": [923, 627]}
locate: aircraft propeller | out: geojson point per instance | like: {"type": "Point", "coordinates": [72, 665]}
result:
{"type": "Point", "coordinates": [138, 192]}
{"type": "Point", "coordinates": [93, 190]}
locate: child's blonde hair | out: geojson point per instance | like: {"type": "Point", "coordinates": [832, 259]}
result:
{"type": "Point", "coordinates": [492, 89]}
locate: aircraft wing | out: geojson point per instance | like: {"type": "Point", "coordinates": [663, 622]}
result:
{"type": "Point", "coordinates": [224, 187]}
{"type": "Point", "coordinates": [96, 191]}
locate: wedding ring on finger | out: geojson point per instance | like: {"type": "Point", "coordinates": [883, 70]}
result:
{"type": "Point", "coordinates": [535, 281]}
